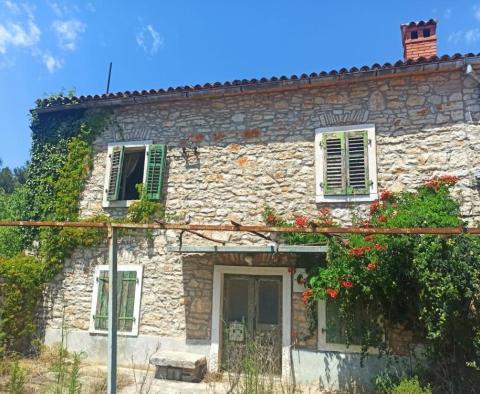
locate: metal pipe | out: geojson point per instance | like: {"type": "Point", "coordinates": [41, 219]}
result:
{"type": "Point", "coordinates": [109, 77]}
{"type": "Point", "coordinates": [253, 228]}
{"type": "Point", "coordinates": [112, 311]}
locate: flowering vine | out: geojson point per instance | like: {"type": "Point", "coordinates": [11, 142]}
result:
{"type": "Point", "coordinates": [428, 283]}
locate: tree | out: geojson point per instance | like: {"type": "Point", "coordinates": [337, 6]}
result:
{"type": "Point", "coordinates": [9, 179]}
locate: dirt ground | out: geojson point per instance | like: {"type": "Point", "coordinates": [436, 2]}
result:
{"type": "Point", "coordinates": [41, 376]}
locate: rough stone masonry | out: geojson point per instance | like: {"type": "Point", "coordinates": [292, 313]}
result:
{"type": "Point", "coordinates": [253, 150]}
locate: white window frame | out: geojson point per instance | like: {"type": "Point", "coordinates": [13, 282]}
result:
{"type": "Point", "coordinates": [127, 145]}
{"type": "Point", "coordinates": [322, 343]}
{"type": "Point", "coordinates": [372, 164]}
{"type": "Point", "coordinates": [136, 305]}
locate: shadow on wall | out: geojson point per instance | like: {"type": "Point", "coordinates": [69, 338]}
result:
{"type": "Point", "coordinates": [337, 371]}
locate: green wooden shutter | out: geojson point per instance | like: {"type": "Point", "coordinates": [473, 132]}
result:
{"type": "Point", "coordinates": [155, 168]}
{"type": "Point", "coordinates": [127, 282]}
{"type": "Point", "coordinates": [126, 300]}
{"type": "Point", "coordinates": [357, 162]}
{"type": "Point", "coordinates": [116, 167]}
{"type": "Point", "coordinates": [334, 174]}
{"type": "Point", "coordinates": [101, 312]}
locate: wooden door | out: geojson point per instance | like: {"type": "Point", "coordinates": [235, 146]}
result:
{"type": "Point", "coordinates": [252, 323]}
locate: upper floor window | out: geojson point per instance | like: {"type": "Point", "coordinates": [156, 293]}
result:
{"type": "Point", "coordinates": [130, 164]}
{"type": "Point", "coordinates": [345, 164]}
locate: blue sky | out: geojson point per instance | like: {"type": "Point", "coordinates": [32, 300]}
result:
{"type": "Point", "coordinates": [47, 45]}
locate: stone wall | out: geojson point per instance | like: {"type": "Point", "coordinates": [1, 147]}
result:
{"type": "Point", "coordinates": [256, 150]}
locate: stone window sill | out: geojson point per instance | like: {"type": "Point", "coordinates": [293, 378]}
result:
{"type": "Point", "coordinates": [118, 203]}
{"type": "Point", "coordinates": [358, 198]}
{"type": "Point", "coordinates": [119, 333]}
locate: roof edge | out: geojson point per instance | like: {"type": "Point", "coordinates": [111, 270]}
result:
{"type": "Point", "coordinates": [236, 87]}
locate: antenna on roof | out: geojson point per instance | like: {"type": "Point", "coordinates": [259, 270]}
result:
{"type": "Point", "coordinates": [109, 76]}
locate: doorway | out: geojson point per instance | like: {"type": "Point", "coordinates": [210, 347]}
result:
{"type": "Point", "coordinates": [252, 322]}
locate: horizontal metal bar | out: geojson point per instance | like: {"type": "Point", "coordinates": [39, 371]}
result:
{"type": "Point", "coordinates": [22, 223]}
{"type": "Point", "coordinates": [253, 228]}
{"type": "Point", "coordinates": [247, 249]}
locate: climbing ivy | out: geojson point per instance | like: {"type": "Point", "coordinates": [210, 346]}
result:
{"type": "Point", "coordinates": [60, 163]}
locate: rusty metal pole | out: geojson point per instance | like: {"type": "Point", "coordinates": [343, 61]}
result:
{"type": "Point", "coordinates": [112, 311]}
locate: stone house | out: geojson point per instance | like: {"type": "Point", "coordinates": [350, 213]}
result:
{"type": "Point", "coordinates": [220, 152]}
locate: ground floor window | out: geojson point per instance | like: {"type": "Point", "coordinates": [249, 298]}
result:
{"type": "Point", "coordinates": [332, 328]}
{"type": "Point", "coordinates": [129, 285]}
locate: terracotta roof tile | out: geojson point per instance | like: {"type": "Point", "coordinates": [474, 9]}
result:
{"type": "Point", "coordinates": [64, 101]}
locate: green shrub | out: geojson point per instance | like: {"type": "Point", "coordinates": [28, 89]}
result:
{"type": "Point", "coordinates": [411, 386]}
{"type": "Point", "coordinates": [145, 210]}
{"type": "Point", "coordinates": [21, 285]}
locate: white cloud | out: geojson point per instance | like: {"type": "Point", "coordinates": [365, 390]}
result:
{"type": "Point", "coordinates": [472, 35]}
{"type": "Point", "coordinates": [468, 37]}
{"type": "Point", "coordinates": [19, 30]}
{"type": "Point", "coordinates": [62, 9]}
{"type": "Point", "coordinates": [56, 8]}
{"type": "Point", "coordinates": [90, 7]}
{"type": "Point", "coordinates": [149, 39]}
{"type": "Point", "coordinates": [68, 32]}
{"type": "Point", "coordinates": [476, 12]}
{"type": "Point", "coordinates": [11, 6]}
{"type": "Point", "coordinates": [17, 34]}
{"type": "Point", "coordinates": [52, 63]}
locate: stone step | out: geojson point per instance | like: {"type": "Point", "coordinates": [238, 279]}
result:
{"type": "Point", "coordinates": [175, 365]}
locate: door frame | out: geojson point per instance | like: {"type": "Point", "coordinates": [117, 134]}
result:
{"type": "Point", "coordinates": [217, 307]}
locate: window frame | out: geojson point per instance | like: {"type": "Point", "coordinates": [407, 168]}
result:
{"type": "Point", "coordinates": [136, 305]}
{"type": "Point", "coordinates": [320, 159]}
{"type": "Point", "coordinates": [322, 343]}
{"type": "Point", "coordinates": [127, 145]}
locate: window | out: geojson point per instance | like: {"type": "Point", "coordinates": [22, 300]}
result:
{"type": "Point", "coordinates": [332, 330]}
{"type": "Point", "coordinates": [130, 164]}
{"type": "Point", "coordinates": [345, 164]}
{"type": "Point", "coordinates": [129, 287]}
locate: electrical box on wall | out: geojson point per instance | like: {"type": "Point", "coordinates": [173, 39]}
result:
{"type": "Point", "coordinates": [299, 280]}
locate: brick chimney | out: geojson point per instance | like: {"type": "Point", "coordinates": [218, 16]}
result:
{"type": "Point", "coordinates": [419, 39]}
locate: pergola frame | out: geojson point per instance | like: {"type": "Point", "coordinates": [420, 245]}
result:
{"type": "Point", "coordinates": [193, 228]}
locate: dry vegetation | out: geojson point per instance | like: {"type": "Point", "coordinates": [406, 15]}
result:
{"type": "Point", "coordinates": [55, 371]}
